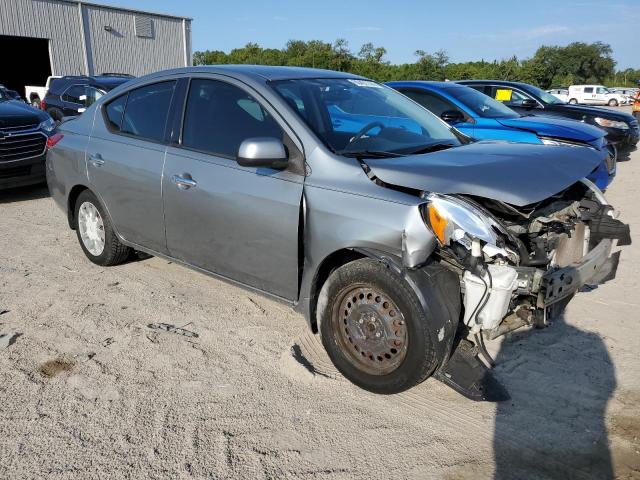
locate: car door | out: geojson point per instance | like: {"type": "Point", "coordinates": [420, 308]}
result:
{"type": "Point", "coordinates": [438, 105]}
{"type": "Point", "coordinates": [238, 222]}
{"type": "Point", "coordinates": [588, 95]}
{"type": "Point", "coordinates": [124, 161]}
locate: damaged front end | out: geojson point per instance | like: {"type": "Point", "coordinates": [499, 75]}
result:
{"type": "Point", "coordinates": [518, 266]}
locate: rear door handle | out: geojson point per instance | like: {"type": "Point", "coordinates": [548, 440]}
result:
{"type": "Point", "coordinates": [96, 160]}
{"type": "Point", "coordinates": [184, 182]}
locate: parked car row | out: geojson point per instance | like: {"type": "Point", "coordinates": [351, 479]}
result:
{"type": "Point", "coordinates": [405, 236]}
{"type": "Point", "coordinates": [593, 95]}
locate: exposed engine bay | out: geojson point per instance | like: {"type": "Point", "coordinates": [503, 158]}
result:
{"type": "Point", "coordinates": [532, 259]}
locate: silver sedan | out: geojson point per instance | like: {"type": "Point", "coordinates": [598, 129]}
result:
{"type": "Point", "coordinates": [402, 241]}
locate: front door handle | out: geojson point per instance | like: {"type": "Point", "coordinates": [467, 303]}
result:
{"type": "Point", "coordinates": [96, 160]}
{"type": "Point", "coordinates": [184, 182]}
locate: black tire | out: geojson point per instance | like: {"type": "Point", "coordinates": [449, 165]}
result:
{"type": "Point", "coordinates": [613, 102]}
{"type": "Point", "coordinates": [114, 252]}
{"type": "Point", "coordinates": [35, 102]}
{"type": "Point", "coordinates": [419, 358]}
{"type": "Point", "coordinates": [573, 101]}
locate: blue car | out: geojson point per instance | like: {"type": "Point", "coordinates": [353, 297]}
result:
{"type": "Point", "coordinates": [482, 118]}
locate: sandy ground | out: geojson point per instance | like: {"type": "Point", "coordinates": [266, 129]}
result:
{"type": "Point", "coordinates": [90, 391]}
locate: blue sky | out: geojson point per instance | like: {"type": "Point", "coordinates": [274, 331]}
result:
{"type": "Point", "coordinates": [467, 30]}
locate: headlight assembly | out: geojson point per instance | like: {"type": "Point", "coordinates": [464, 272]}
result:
{"type": "Point", "coordinates": [47, 125]}
{"type": "Point", "coordinates": [557, 141]}
{"type": "Point", "coordinates": [605, 122]}
{"type": "Point", "coordinates": [454, 221]}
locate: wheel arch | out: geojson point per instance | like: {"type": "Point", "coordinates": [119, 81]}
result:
{"type": "Point", "coordinates": [74, 193]}
{"type": "Point", "coordinates": [443, 310]}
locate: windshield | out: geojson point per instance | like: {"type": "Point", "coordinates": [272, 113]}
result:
{"type": "Point", "coordinates": [481, 104]}
{"type": "Point", "coordinates": [544, 96]}
{"type": "Point", "coordinates": [3, 95]}
{"type": "Point", "coordinates": [361, 117]}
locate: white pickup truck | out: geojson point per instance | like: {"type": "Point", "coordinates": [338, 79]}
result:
{"type": "Point", "coordinates": [34, 95]}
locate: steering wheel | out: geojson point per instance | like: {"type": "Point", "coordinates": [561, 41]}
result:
{"type": "Point", "coordinates": [365, 129]}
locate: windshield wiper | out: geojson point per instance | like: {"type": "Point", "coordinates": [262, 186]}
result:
{"type": "Point", "coordinates": [369, 154]}
{"type": "Point", "coordinates": [433, 147]}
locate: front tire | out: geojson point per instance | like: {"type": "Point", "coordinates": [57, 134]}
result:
{"type": "Point", "coordinates": [613, 102]}
{"type": "Point", "coordinates": [374, 328]}
{"type": "Point", "coordinates": [573, 101]}
{"type": "Point", "coordinates": [35, 102]}
{"type": "Point", "coordinates": [95, 232]}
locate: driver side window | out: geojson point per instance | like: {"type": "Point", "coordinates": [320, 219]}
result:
{"type": "Point", "coordinates": [510, 97]}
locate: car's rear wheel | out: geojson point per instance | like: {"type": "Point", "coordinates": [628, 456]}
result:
{"type": "Point", "coordinates": [35, 102]}
{"type": "Point", "coordinates": [613, 102]}
{"type": "Point", "coordinates": [375, 329]}
{"type": "Point", "coordinates": [95, 232]}
{"type": "Point", "coordinates": [573, 101]}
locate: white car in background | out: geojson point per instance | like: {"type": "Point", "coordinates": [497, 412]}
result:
{"type": "Point", "coordinates": [560, 93]}
{"type": "Point", "coordinates": [595, 95]}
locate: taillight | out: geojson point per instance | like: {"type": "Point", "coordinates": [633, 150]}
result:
{"type": "Point", "coordinates": [43, 105]}
{"type": "Point", "coordinates": [53, 139]}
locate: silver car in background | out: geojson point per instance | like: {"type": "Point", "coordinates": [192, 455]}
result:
{"type": "Point", "coordinates": [398, 240]}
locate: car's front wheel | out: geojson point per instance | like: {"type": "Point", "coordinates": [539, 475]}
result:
{"type": "Point", "coordinates": [613, 102]}
{"type": "Point", "coordinates": [374, 328]}
{"type": "Point", "coordinates": [573, 101]}
{"type": "Point", "coordinates": [95, 232]}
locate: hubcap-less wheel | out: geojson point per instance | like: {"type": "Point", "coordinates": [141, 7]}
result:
{"type": "Point", "coordinates": [371, 330]}
{"type": "Point", "coordinates": [91, 228]}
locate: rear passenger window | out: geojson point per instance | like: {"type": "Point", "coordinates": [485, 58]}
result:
{"type": "Point", "coordinates": [146, 111]}
{"type": "Point", "coordinates": [220, 116]}
{"type": "Point", "coordinates": [72, 94]}
{"type": "Point", "coordinates": [588, 89]}
{"type": "Point", "coordinates": [115, 109]}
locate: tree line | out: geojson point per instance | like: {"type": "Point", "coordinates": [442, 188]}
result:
{"type": "Point", "coordinates": [550, 66]}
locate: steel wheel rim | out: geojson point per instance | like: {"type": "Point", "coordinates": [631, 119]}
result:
{"type": "Point", "coordinates": [91, 228]}
{"type": "Point", "coordinates": [370, 329]}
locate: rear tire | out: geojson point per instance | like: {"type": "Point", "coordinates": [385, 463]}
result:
{"type": "Point", "coordinates": [35, 102]}
{"type": "Point", "coordinates": [573, 101]}
{"type": "Point", "coordinates": [380, 341]}
{"type": "Point", "coordinates": [95, 232]}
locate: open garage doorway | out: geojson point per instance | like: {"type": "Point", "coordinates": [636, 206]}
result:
{"type": "Point", "coordinates": [25, 61]}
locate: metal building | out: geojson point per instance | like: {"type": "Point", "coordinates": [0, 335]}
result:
{"type": "Point", "coordinates": [39, 38]}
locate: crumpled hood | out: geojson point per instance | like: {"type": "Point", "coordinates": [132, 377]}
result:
{"type": "Point", "coordinates": [15, 114]}
{"type": "Point", "coordinates": [555, 127]}
{"type": "Point", "coordinates": [515, 173]}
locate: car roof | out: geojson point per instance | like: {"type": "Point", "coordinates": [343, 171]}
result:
{"type": "Point", "coordinates": [493, 82]}
{"type": "Point", "coordinates": [426, 83]}
{"type": "Point", "coordinates": [259, 72]}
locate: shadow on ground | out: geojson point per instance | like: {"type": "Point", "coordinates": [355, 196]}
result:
{"type": "Point", "coordinates": [23, 194]}
{"type": "Point", "coordinates": [560, 380]}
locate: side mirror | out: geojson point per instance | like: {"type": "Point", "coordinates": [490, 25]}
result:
{"type": "Point", "coordinates": [529, 103]}
{"type": "Point", "coordinates": [262, 152]}
{"type": "Point", "coordinates": [452, 116]}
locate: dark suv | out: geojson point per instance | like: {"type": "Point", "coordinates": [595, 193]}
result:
{"type": "Point", "coordinates": [70, 95]}
{"type": "Point", "coordinates": [622, 129]}
{"type": "Point", "coordinates": [25, 133]}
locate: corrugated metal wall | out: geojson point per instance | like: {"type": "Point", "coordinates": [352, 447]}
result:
{"type": "Point", "coordinates": [57, 21]}
{"type": "Point", "coordinates": [121, 51]}
{"type": "Point", "coordinates": [118, 50]}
